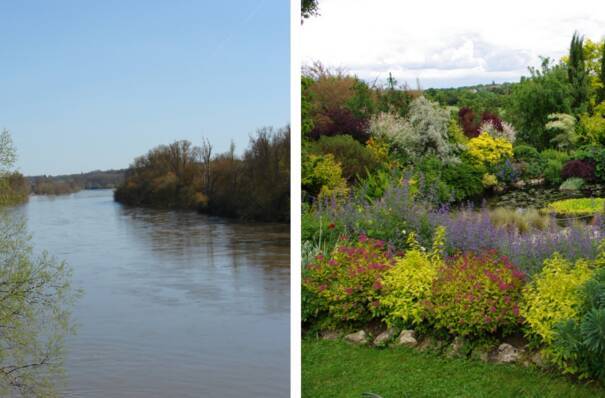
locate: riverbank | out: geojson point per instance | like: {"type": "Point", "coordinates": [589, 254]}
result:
{"type": "Point", "coordinates": [334, 369]}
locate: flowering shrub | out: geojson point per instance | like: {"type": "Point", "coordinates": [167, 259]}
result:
{"type": "Point", "coordinates": [578, 168]}
{"type": "Point", "coordinates": [477, 294]}
{"type": "Point", "coordinates": [409, 282]}
{"type": "Point", "coordinates": [489, 151]}
{"type": "Point", "coordinates": [489, 180]}
{"type": "Point", "coordinates": [554, 296]}
{"type": "Point", "coordinates": [346, 286]}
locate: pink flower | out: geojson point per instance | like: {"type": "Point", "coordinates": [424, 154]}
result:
{"type": "Point", "coordinates": [349, 291]}
{"type": "Point", "coordinates": [363, 238]}
{"type": "Point", "coordinates": [332, 262]}
{"type": "Point", "coordinates": [377, 285]}
{"type": "Point", "coordinates": [322, 288]}
{"type": "Point", "coordinates": [492, 308]}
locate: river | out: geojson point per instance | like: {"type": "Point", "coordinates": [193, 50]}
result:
{"type": "Point", "coordinates": [175, 304]}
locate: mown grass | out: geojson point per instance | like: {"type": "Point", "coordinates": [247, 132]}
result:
{"type": "Point", "coordinates": [336, 369]}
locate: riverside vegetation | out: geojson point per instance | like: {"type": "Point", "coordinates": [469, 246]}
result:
{"type": "Point", "coordinates": [398, 238]}
{"type": "Point", "coordinates": [35, 298]}
{"type": "Point", "coordinates": [254, 186]}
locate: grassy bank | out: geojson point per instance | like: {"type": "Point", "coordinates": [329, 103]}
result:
{"type": "Point", "coordinates": [337, 369]}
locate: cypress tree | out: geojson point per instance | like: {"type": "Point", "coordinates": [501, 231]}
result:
{"type": "Point", "coordinates": [601, 93]}
{"type": "Point", "coordinates": [578, 77]}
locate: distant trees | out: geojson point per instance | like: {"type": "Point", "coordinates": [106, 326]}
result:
{"type": "Point", "coordinates": [255, 186]}
{"type": "Point", "coordinates": [309, 8]}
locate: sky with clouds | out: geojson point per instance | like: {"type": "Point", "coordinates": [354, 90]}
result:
{"type": "Point", "coordinates": [445, 43]}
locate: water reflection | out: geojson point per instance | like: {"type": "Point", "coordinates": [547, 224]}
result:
{"type": "Point", "coordinates": [176, 304]}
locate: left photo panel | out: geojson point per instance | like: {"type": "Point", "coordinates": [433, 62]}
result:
{"type": "Point", "coordinates": [145, 199]}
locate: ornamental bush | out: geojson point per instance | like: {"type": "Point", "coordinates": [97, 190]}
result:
{"type": "Point", "coordinates": [408, 283]}
{"type": "Point", "coordinates": [476, 294]}
{"type": "Point", "coordinates": [577, 207]}
{"type": "Point", "coordinates": [488, 150]}
{"type": "Point", "coordinates": [578, 168]}
{"type": "Point", "coordinates": [579, 344]}
{"type": "Point", "coordinates": [322, 176]}
{"type": "Point", "coordinates": [553, 296]}
{"type": "Point", "coordinates": [345, 287]}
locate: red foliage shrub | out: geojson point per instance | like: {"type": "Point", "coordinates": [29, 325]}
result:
{"type": "Point", "coordinates": [347, 285]}
{"type": "Point", "coordinates": [579, 168]}
{"type": "Point", "coordinates": [466, 116]}
{"type": "Point", "coordinates": [476, 294]}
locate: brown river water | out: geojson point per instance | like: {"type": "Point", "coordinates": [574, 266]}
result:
{"type": "Point", "coordinates": [175, 304]}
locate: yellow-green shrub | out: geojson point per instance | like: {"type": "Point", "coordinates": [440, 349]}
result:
{"type": "Point", "coordinates": [409, 282]}
{"type": "Point", "coordinates": [322, 176]}
{"type": "Point", "coordinates": [554, 296]}
{"type": "Point", "coordinates": [488, 150]}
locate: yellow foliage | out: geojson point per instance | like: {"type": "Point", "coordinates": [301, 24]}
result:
{"type": "Point", "coordinates": [489, 180]}
{"type": "Point", "coordinates": [408, 283]}
{"type": "Point", "coordinates": [554, 295]}
{"type": "Point", "coordinates": [488, 150]}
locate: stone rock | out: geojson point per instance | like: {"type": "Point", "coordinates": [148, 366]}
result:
{"type": "Point", "coordinates": [360, 337]}
{"type": "Point", "coordinates": [537, 359]}
{"type": "Point", "coordinates": [480, 354]}
{"type": "Point", "coordinates": [507, 353]}
{"type": "Point", "coordinates": [329, 335]}
{"type": "Point", "coordinates": [407, 338]}
{"type": "Point", "coordinates": [455, 349]}
{"type": "Point", "coordinates": [383, 338]}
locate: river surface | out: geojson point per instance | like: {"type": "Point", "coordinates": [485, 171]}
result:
{"type": "Point", "coordinates": [175, 304]}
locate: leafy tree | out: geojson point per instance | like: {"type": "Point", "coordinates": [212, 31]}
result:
{"type": "Point", "coordinates": [36, 301]}
{"type": "Point", "coordinates": [13, 187]}
{"type": "Point", "coordinates": [309, 8]}
{"type": "Point", "coordinates": [578, 75]}
{"type": "Point", "coordinates": [545, 91]}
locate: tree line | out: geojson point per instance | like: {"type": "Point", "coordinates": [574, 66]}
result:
{"type": "Point", "coordinates": [253, 186]}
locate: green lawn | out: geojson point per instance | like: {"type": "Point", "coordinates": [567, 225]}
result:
{"type": "Point", "coordinates": [338, 369]}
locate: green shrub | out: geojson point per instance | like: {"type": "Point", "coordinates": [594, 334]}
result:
{"type": "Point", "coordinates": [408, 283]}
{"type": "Point", "coordinates": [572, 184]}
{"type": "Point", "coordinates": [464, 179]}
{"type": "Point", "coordinates": [579, 344]}
{"type": "Point", "coordinates": [345, 287]}
{"type": "Point", "coordinates": [475, 295]}
{"type": "Point", "coordinates": [354, 158]}
{"type": "Point", "coordinates": [322, 176]}
{"type": "Point", "coordinates": [553, 296]}
{"type": "Point", "coordinates": [553, 164]}
{"type": "Point", "coordinates": [530, 159]}
{"type": "Point", "coordinates": [577, 207]}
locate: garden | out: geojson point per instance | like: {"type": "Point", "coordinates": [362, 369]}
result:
{"type": "Point", "coordinates": [464, 222]}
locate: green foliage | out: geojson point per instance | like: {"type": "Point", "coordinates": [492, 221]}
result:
{"type": "Point", "coordinates": [346, 285]}
{"type": "Point", "coordinates": [593, 126]}
{"type": "Point", "coordinates": [596, 156]}
{"type": "Point", "coordinates": [579, 343]}
{"type": "Point", "coordinates": [554, 296]}
{"type": "Point", "coordinates": [577, 207]}
{"type": "Point", "coordinates": [553, 164]}
{"type": "Point", "coordinates": [36, 302]}
{"type": "Point", "coordinates": [13, 187]}
{"type": "Point", "coordinates": [531, 163]}
{"type": "Point", "coordinates": [546, 91]}
{"type": "Point", "coordinates": [322, 176]}
{"type": "Point", "coordinates": [578, 75]}
{"type": "Point", "coordinates": [464, 179]}
{"type": "Point", "coordinates": [572, 184]}
{"type": "Point", "coordinates": [306, 105]}
{"type": "Point", "coordinates": [408, 284]}
{"type": "Point", "coordinates": [309, 8]}
{"type": "Point", "coordinates": [475, 295]}
{"type": "Point", "coordinates": [354, 158]}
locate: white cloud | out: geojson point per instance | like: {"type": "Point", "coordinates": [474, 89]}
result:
{"type": "Point", "coordinates": [446, 43]}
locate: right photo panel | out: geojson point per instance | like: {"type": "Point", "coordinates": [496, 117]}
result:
{"type": "Point", "coordinates": [453, 196]}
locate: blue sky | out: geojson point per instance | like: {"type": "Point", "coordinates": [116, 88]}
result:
{"type": "Point", "coordinates": [90, 85]}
